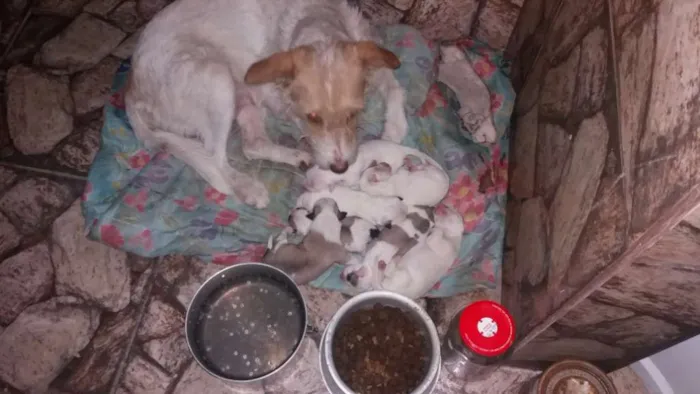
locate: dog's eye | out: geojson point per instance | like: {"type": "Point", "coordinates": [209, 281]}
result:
{"type": "Point", "coordinates": [313, 117]}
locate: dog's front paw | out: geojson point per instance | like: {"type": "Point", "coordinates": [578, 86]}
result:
{"type": "Point", "coordinates": [252, 192]}
{"type": "Point", "coordinates": [395, 127]}
{"type": "Point", "coordinates": [486, 133]}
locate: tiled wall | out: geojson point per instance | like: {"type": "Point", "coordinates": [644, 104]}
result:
{"type": "Point", "coordinates": [606, 163]}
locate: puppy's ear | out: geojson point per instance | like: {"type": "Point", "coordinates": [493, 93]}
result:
{"type": "Point", "coordinates": [374, 233]}
{"type": "Point", "coordinates": [281, 65]}
{"type": "Point", "coordinates": [342, 215]}
{"type": "Point", "coordinates": [372, 55]}
{"type": "Point", "coordinates": [311, 215]}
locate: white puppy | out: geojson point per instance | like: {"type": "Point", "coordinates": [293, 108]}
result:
{"type": "Point", "coordinates": [355, 232]}
{"type": "Point", "coordinates": [420, 268]}
{"type": "Point", "coordinates": [320, 248]}
{"type": "Point", "coordinates": [375, 209]}
{"type": "Point", "coordinates": [419, 183]}
{"type": "Point", "coordinates": [369, 154]}
{"type": "Point", "coordinates": [200, 66]}
{"type": "Point", "coordinates": [393, 242]}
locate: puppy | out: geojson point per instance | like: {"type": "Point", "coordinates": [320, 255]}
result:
{"type": "Point", "coordinates": [200, 66]}
{"type": "Point", "coordinates": [417, 184]}
{"type": "Point", "coordinates": [320, 248]}
{"type": "Point", "coordinates": [377, 210]}
{"type": "Point", "coordinates": [420, 268]}
{"type": "Point", "coordinates": [393, 242]}
{"type": "Point", "coordinates": [369, 154]}
{"type": "Point", "coordinates": [355, 232]}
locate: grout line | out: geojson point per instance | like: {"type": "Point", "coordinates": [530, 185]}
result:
{"type": "Point", "coordinates": [44, 171]}
{"type": "Point", "coordinates": [121, 367]}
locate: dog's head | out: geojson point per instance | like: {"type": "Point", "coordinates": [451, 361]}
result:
{"type": "Point", "coordinates": [326, 84]}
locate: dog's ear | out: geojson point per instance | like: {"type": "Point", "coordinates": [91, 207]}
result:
{"type": "Point", "coordinates": [311, 215]}
{"type": "Point", "coordinates": [374, 233]}
{"type": "Point", "coordinates": [342, 215]}
{"type": "Point", "coordinates": [373, 56]}
{"type": "Point", "coordinates": [281, 65]}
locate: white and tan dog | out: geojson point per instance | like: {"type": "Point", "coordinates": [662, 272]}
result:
{"type": "Point", "coordinates": [417, 271]}
{"type": "Point", "coordinates": [200, 66]}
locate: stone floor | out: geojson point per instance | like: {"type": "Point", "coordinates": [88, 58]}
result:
{"type": "Point", "coordinates": [76, 316]}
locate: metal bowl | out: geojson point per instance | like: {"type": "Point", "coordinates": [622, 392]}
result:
{"type": "Point", "coordinates": [246, 323]}
{"type": "Point", "coordinates": [367, 300]}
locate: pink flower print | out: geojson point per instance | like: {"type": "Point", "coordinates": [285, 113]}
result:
{"type": "Point", "coordinates": [117, 99]}
{"type": "Point", "coordinates": [433, 100]}
{"type": "Point", "coordinates": [111, 235]}
{"type": "Point", "coordinates": [86, 191]}
{"type": "Point", "coordinates": [485, 272]}
{"type": "Point", "coordinates": [496, 101]}
{"type": "Point", "coordinates": [250, 253]}
{"type": "Point", "coordinates": [137, 200]}
{"type": "Point", "coordinates": [214, 195]}
{"type": "Point", "coordinates": [188, 203]}
{"type": "Point", "coordinates": [144, 240]}
{"type": "Point", "coordinates": [464, 197]}
{"type": "Point", "coordinates": [408, 41]}
{"type": "Point", "coordinates": [464, 43]}
{"type": "Point", "coordinates": [139, 159]}
{"type": "Point", "coordinates": [484, 67]}
{"type": "Point", "coordinates": [437, 285]}
{"type": "Point", "coordinates": [225, 217]}
{"type": "Point", "coordinates": [493, 178]}
{"type": "Point", "coordinates": [275, 220]}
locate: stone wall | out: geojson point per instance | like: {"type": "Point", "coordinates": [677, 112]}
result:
{"type": "Point", "coordinates": [606, 163]}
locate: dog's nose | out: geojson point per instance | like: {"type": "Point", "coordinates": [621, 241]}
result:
{"type": "Point", "coordinates": [339, 167]}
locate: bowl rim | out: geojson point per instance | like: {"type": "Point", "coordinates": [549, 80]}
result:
{"type": "Point", "coordinates": [216, 276]}
{"type": "Point", "coordinates": [327, 339]}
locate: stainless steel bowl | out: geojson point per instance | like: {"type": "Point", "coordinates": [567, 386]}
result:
{"type": "Point", "coordinates": [246, 323]}
{"type": "Point", "coordinates": [367, 300]}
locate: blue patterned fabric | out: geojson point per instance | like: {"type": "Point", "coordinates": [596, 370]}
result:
{"type": "Point", "coordinates": [152, 204]}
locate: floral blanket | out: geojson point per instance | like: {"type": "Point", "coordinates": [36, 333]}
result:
{"type": "Point", "coordinates": [150, 203]}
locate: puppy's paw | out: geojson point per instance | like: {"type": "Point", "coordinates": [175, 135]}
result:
{"type": "Point", "coordinates": [451, 54]}
{"type": "Point", "coordinates": [486, 133]}
{"type": "Point", "coordinates": [303, 160]}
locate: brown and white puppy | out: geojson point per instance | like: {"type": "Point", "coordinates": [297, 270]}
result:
{"type": "Point", "coordinates": [320, 248]}
{"type": "Point", "coordinates": [200, 66]}
{"type": "Point", "coordinates": [355, 232]}
{"type": "Point", "coordinates": [392, 243]}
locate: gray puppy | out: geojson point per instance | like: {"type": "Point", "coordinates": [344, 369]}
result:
{"type": "Point", "coordinates": [320, 248]}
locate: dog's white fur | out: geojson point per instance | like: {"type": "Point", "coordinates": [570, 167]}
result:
{"type": "Point", "coordinates": [187, 88]}
{"type": "Point", "coordinates": [377, 210]}
{"type": "Point", "coordinates": [423, 184]}
{"type": "Point", "coordinates": [420, 268]}
{"type": "Point", "coordinates": [368, 154]}
{"type": "Point", "coordinates": [356, 233]}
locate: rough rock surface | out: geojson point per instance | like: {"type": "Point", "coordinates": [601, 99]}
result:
{"type": "Point", "coordinates": [32, 204]}
{"type": "Point", "coordinates": [85, 42]}
{"type": "Point", "coordinates": [39, 109]}
{"type": "Point", "coordinates": [25, 278]}
{"type": "Point", "coordinates": [89, 269]}
{"type": "Point", "coordinates": [43, 339]}
{"type": "Point", "coordinates": [90, 89]}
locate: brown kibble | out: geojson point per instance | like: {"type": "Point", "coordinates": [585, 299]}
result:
{"type": "Point", "coordinates": [395, 365]}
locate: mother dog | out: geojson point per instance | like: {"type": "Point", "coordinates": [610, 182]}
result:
{"type": "Point", "coordinates": [201, 65]}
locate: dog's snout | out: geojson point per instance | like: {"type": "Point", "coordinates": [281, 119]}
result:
{"type": "Point", "coordinates": [339, 167]}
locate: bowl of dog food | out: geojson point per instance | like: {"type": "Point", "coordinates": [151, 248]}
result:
{"type": "Point", "coordinates": [380, 342]}
{"type": "Point", "coordinates": [246, 323]}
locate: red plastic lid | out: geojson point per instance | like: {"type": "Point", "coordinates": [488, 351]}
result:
{"type": "Point", "coordinates": [487, 328]}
